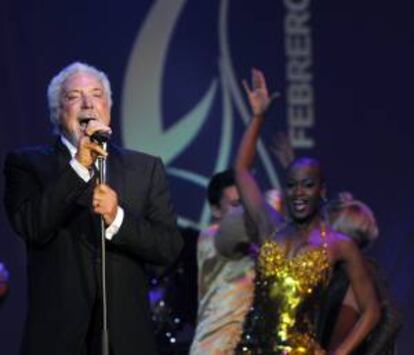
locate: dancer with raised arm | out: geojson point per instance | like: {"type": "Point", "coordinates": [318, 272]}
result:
{"type": "Point", "coordinates": [295, 259]}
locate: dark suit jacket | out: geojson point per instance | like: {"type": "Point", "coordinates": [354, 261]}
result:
{"type": "Point", "coordinates": [49, 207]}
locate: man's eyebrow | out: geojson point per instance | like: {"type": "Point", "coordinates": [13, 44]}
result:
{"type": "Point", "coordinates": [70, 91]}
{"type": "Point", "coordinates": [76, 90]}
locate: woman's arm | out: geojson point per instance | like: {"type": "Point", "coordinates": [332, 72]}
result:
{"type": "Point", "coordinates": [386, 332]}
{"type": "Point", "coordinates": [250, 193]}
{"type": "Point", "coordinates": [364, 291]}
{"type": "Point", "coordinates": [348, 315]}
{"type": "Point", "coordinates": [282, 149]}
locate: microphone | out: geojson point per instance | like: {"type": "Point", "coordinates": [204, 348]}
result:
{"type": "Point", "coordinates": [99, 137]}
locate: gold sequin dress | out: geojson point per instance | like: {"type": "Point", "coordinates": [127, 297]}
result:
{"type": "Point", "coordinates": [282, 318]}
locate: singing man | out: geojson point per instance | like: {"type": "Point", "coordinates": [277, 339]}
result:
{"type": "Point", "coordinates": [55, 203]}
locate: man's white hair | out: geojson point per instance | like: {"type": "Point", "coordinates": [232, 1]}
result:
{"type": "Point", "coordinates": [54, 89]}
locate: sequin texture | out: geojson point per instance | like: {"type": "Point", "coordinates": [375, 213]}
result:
{"type": "Point", "coordinates": [281, 320]}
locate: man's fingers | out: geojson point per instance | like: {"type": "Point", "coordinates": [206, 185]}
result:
{"type": "Point", "coordinates": [102, 191]}
{"type": "Point", "coordinates": [95, 148]}
{"type": "Point", "coordinates": [102, 188]}
{"type": "Point", "coordinates": [95, 126]}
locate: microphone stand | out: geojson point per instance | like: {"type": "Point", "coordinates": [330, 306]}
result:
{"type": "Point", "coordinates": [105, 338]}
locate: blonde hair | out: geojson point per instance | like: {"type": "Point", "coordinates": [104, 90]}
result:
{"type": "Point", "coordinates": [353, 218]}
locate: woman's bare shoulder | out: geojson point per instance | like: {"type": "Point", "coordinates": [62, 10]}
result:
{"type": "Point", "coordinates": [342, 246]}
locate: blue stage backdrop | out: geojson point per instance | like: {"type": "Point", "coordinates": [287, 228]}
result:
{"type": "Point", "coordinates": [343, 68]}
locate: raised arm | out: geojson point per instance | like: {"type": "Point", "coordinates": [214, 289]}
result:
{"type": "Point", "coordinates": [282, 149]}
{"type": "Point", "coordinates": [251, 195]}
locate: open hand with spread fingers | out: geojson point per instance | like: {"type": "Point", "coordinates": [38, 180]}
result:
{"type": "Point", "coordinates": [258, 94]}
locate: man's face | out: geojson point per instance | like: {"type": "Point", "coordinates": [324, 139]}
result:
{"type": "Point", "coordinates": [230, 199]}
{"type": "Point", "coordinates": [82, 96]}
{"type": "Point", "coordinates": [304, 191]}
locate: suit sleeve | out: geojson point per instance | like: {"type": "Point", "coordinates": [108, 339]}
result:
{"type": "Point", "coordinates": [152, 235]}
{"type": "Point", "coordinates": [37, 209]}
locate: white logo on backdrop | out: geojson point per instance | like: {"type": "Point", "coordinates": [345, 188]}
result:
{"type": "Point", "coordinates": [142, 126]}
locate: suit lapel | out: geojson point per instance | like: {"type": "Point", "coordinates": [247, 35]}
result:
{"type": "Point", "coordinates": [114, 166]}
{"type": "Point", "coordinates": [62, 154]}
{"type": "Point", "coordinates": [115, 171]}
{"type": "Point", "coordinates": [63, 159]}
